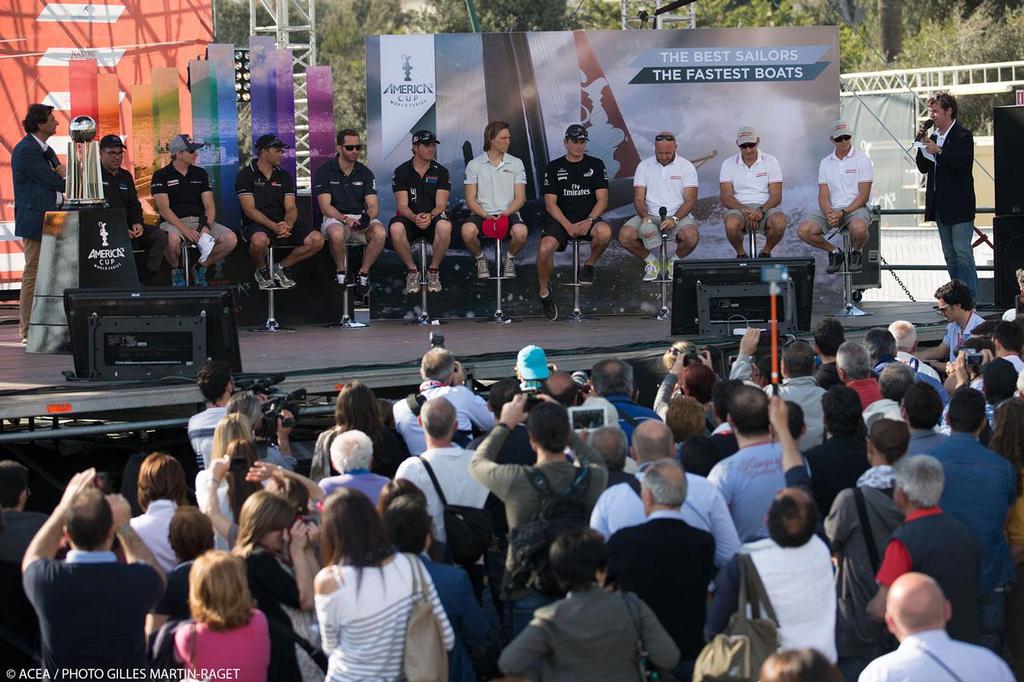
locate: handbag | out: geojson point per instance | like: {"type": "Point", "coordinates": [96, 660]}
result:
{"type": "Point", "coordinates": [737, 654]}
{"type": "Point", "coordinates": [468, 530]}
{"type": "Point", "coordinates": [425, 659]}
{"type": "Point", "coordinates": [647, 670]}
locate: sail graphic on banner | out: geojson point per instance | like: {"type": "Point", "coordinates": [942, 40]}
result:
{"type": "Point", "coordinates": [600, 113]}
{"type": "Point", "coordinates": [407, 86]}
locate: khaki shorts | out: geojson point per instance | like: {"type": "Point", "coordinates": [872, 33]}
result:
{"type": "Point", "coordinates": [217, 231]}
{"type": "Point", "coordinates": [354, 235]}
{"type": "Point", "coordinates": [635, 223]}
{"type": "Point", "coordinates": [822, 222]}
{"type": "Point", "coordinates": [761, 224]}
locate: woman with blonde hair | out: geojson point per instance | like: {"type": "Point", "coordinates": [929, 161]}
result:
{"type": "Point", "coordinates": [279, 556]}
{"type": "Point", "coordinates": [221, 491]}
{"type": "Point", "coordinates": [161, 490]}
{"type": "Point", "coordinates": [228, 631]}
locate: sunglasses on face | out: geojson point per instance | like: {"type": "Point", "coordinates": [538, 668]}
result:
{"type": "Point", "coordinates": [841, 138]}
{"type": "Point", "coordinates": [748, 145]}
{"type": "Point", "coordinates": [664, 138]}
{"type": "Point", "coordinates": [940, 309]}
{"type": "Point", "coordinates": [352, 147]}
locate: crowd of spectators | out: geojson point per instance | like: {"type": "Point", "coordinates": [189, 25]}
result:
{"type": "Point", "coordinates": [866, 509]}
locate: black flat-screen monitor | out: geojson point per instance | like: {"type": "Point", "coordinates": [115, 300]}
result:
{"type": "Point", "coordinates": [712, 272]}
{"type": "Point", "coordinates": [152, 304]}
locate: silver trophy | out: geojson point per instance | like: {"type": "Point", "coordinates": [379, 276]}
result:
{"type": "Point", "coordinates": [84, 182]}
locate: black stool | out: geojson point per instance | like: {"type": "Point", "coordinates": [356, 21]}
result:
{"type": "Point", "coordinates": [577, 315]}
{"type": "Point", "coordinates": [272, 325]}
{"type": "Point", "coordinates": [849, 308]}
{"type": "Point", "coordinates": [185, 262]}
{"type": "Point", "coordinates": [498, 317]}
{"type": "Point", "coordinates": [424, 317]}
{"type": "Point", "coordinates": [347, 322]}
{"type": "Point", "coordinates": [664, 279]}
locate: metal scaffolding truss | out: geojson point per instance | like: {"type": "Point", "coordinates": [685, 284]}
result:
{"type": "Point", "coordinates": [293, 25]}
{"type": "Point", "coordinates": [640, 14]}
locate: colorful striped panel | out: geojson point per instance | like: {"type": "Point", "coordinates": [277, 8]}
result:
{"type": "Point", "coordinates": [82, 77]}
{"type": "Point", "coordinates": [320, 98]}
{"type": "Point", "coordinates": [285, 128]}
{"type": "Point", "coordinates": [222, 72]}
{"type": "Point", "coordinates": [263, 67]}
{"type": "Point", "coordinates": [143, 142]}
{"type": "Point", "coordinates": [107, 91]}
{"type": "Point", "coordinates": [166, 114]}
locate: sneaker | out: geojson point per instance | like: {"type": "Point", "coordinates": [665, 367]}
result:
{"type": "Point", "coordinates": [178, 277]}
{"type": "Point", "coordinates": [362, 284]}
{"type": "Point", "coordinates": [835, 261]}
{"type": "Point", "coordinates": [433, 280]}
{"type": "Point", "coordinates": [199, 277]}
{"type": "Point", "coordinates": [482, 271]}
{"type": "Point", "coordinates": [263, 278]}
{"type": "Point", "coordinates": [282, 278]}
{"type": "Point", "coordinates": [587, 274]}
{"type": "Point", "coordinates": [651, 271]}
{"type": "Point", "coordinates": [764, 255]}
{"type": "Point", "coordinates": [510, 268]}
{"type": "Point", "coordinates": [412, 282]}
{"type": "Point", "coordinates": [856, 261]}
{"type": "Point", "coordinates": [742, 256]}
{"type": "Point", "coordinates": [548, 303]}
{"type": "Point", "coordinates": [205, 244]}
{"type": "Point", "coordinates": [340, 280]}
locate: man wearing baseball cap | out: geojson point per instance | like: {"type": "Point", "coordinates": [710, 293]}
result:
{"type": "Point", "coordinates": [844, 187]}
{"type": "Point", "coordinates": [266, 193]}
{"type": "Point", "coordinates": [421, 186]}
{"type": "Point", "coordinates": [751, 190]}
{"type": "Point", "coordinates": [119, 191]}
{"type": "Point", "coordinates": [495, 189]}
{"type": "Point", "coordinates": [532, 368]}
{"type": "Point", "coordinates": [575, 195]}
{"type": "Point", "coordinates": [184, 199]}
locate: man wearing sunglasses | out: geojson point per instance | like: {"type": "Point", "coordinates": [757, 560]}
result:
{"type": "Point", "coordinates": [751, 191]}
{"type": "Point", "coordinates": [119, 191]}
{"type": "Point", "coordinates": [346, 192]}
{"type": "Point", "coordinates": [421, 186]}
{"type": "Point", "coordinates": [844, 187]}
{"type": "Point", "coordinates": [667, 181]}
{"type": "Point", "coordinates": [955, 304]}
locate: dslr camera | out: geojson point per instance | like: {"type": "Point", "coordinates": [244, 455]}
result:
{"type": "Point", "coordinates": [272, 409]}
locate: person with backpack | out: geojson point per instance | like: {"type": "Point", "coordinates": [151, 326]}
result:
{"type": "Point", "coordinates": [541, 501]}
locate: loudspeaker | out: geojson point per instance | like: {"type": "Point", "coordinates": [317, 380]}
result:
{"type": "Point", "coordinates": [1008, 246]}
{"type": "Point", "coordinates": [1008, 143]}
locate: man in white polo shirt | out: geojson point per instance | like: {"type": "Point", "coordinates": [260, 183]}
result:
{"type": "Point", "coordinates": [751, 191]}
{"type": "Point", "coordinates": [662, 181]}
{"type": "Point", "coordinates": [844, 187]}
{"type": "Point", "coordinates": [495, 188]}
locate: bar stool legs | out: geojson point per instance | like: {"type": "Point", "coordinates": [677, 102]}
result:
{"type": "Point", "coordinates": [498, 317]}
{"type": "Point", "coordinates": [576, 315]}
{"type": "Point", "coordinates": [424, 317]}
{"type": "Point", "coordinates": [271, 325]}
{"type": "Point", "coordinates": [850, 308]}
{"type": "Point", "coordinates": [664, 280]}
{"type": "Point", "coordinates": [184, 263]}
{"type": "Point", "coordinates": [346, 322]}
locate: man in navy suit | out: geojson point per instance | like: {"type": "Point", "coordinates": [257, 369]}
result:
{"type": "Point", "coordinates": [947, 158]}
{"type": "Point", "coordinates": [38, 188]}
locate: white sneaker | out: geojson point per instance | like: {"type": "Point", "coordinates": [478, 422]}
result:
{"type": "Point", "coordinates": [651, 271]}
{"type": "Point", "coordinates": [205, 244]}
{"type": "Point", "coordinates": [482, 271]}
{"type": "Point", "coordinates": [510, 268]}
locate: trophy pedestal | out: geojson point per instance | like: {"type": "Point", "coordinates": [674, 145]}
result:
{"type": "Point", "coordinates": [85, 248]}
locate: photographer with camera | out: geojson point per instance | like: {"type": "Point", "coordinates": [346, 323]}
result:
{"type": "Point", "coordinates": [272, 423]}
{"type": "Point", "coordinates": [612, 379]}
{"type": "Point", "coordinates": [676, 359]}
{"type": "Point", "coordinates": [215, 383]}
{"type": "Point", "coordinates": [442, 378]}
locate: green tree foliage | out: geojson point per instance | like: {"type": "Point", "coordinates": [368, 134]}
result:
{"type": "Point", "coordinates": [451, 16]}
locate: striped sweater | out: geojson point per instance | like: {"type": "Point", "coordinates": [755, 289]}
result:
{"type": "Point", "coordinates": [363, 622]}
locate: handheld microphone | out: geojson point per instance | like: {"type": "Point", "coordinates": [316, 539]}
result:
{"type": "Point", "coordinates": [662, 212]}
{"type": "Point", "coordinates": [925, 127]}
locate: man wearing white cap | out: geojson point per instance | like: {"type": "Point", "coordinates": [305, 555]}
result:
{"type": "Point", "coordinates": [663, 181]}
{"type": "Point", "coordinates": [844, 187]}
{"type": "Point", "coordinates": [751, 191]}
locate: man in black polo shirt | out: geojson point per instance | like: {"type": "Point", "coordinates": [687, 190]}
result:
{"type": "Point", "coordinates": [119, 191]}
{"type": "Point", "coordinates": [575, 194]}
{"type": "Point", "coordinates": [184, 199]}
{"type": "Point", "coordinates": [346, 192]}
{"type": "Point", "coordinates": [421, 186]}
{"type": "Point", "coordinates": [266, 193]}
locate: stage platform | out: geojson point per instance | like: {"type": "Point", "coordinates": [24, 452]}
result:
{"type": "Point", "coordinates": [385, 355]}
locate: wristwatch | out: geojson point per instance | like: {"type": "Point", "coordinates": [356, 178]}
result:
{"type": "Point", "coordinates": [592, 219]}
{"type": "Point", "coordinates": [761, 209]}
{"type": "Point", "coordinates": [675, 220]}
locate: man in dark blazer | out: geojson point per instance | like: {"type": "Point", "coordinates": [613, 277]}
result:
{"type": "Point", "coordinates": [667, 562]}
{"type": "Point", "coordinates": [947, 158]}
{"type": "Point", "coordinates": [38, 188]}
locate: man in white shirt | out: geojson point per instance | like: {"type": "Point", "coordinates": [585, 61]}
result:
{"type": "Point", "coordinates": [450, 464]}
{"type": "Point", "coordinates": [663, 181]}
{"type": "Point", "coordinates": [215, 383]}
{"type": "Point", "coordinates": [704, 508]}
{"type": "Point", "coordinates": [916, 612]}
{"type": "Point", "coordinates": [495, 189]}
{"type": "Point", "coordinates": [751, 189]}
{"type": "Point", "coordinates": [956, 305]}
{"type": "Point", "coordinates": [844, 187]}
{"type": "Point", "coordinates": [442, 378]}
{"type": "Point", "coordinates": [1007, 337]}
{"type": "Point", "coordinates": [906, 345]}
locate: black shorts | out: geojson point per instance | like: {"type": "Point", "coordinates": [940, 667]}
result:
{"type": "Point", "coordinates": [553, 228]}
{"type": "Point", "coordinates": [412, 232]}
{"type": "Point", "coordinates": [514, 219]}
{"type": "Point", "coordinates": [299, 233]}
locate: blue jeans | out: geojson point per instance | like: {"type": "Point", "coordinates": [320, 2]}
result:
{"type": "Point", "coordinates": [522, 611]}
{"type": "Point", "coordinates": [991, 611]}
{"type": "Point", "coordinates": [956, 242]}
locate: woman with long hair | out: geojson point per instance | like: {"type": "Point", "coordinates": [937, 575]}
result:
{"type": "Point", "coordinates": [279, 556]}
{"type": "Point", "coordinates": [357, 408]}
{"type": "Point", "coordinates": [366, 592]}
{"type": "Point", "coordinates": [161, 490]}
{"type": "Point", "coordinates": [1008, 440]}
{"type": "Point", "coordinates": [228, 486]}
{"type": "Point", "coordinates": [227, 632]}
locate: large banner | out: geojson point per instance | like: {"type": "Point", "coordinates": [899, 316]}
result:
{"type": "Point", "coordinates": [126, 38]}
{"type": "Point", "coordinates": [625, 87]}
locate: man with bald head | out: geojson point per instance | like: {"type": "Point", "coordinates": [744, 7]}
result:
{"type": "Point", "coordinates": [905, 334]}
{"type": "Point", "coordinates": [663, 181]}
{"type": "Point", "coordinates": [621, 505]}
{"type": "Point", "coordinates": [916, 612]}
{"type": "Point", "coordinates": [666, 561]}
